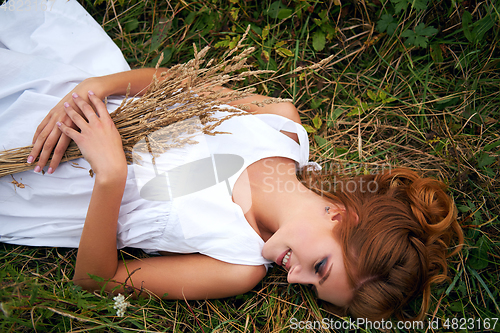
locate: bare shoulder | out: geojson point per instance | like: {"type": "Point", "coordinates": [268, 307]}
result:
{"type": "Point", "coordinates": [287, 110]}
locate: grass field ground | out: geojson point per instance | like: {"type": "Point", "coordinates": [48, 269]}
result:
{"type": "Point", "coordinates": [413, 83]}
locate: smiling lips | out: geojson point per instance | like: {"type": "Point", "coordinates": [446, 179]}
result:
{"type": "Point", "coordinates": [284, 259]}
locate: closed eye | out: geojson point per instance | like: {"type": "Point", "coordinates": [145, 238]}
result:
{"type": "Point", "coordinates": [320, 267]}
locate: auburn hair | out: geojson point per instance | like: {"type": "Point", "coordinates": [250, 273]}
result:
{"type": "Point", "coordinates": [396, 235]}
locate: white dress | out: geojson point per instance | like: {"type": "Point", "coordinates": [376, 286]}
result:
{"type": "Point", "coordinates": [43, 55]}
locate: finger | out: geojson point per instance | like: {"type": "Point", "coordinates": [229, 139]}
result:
{"type": "Point", "coordinates": [85, 107]}
{"type": "Point", "coordinates": [59, 151]}
{"type": "Point", "coordinates": [71, 133]}
{"type": "Point", "coordinates": [40, 128]}
{"type": "Point", "coordinates": [102, 111]}
{"type": "Point", "coordinates": [38, 144]}
{"type": "Point", "coordinates": [75, 116]}
{"type": "Point", "coordinates": [47, 148]}
{"type": "Point", "coordinates": [52, 141]}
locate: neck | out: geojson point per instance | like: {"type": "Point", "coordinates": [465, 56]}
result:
{"type": "Point", "coordinates": [278, 197]}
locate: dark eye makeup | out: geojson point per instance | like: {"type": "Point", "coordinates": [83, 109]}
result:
{"type": "Point", "coordinates": [320, 267]}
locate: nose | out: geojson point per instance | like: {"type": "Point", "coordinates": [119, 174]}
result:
{"type": "Point", "coordinates": [298, 275]}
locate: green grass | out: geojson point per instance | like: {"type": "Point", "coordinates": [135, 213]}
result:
{"type": "Point", "coordinates": [415, 86]}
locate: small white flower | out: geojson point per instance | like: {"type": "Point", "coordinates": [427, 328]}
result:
{"type": "Point", "coordinates": [4, 309]}
{"type": "Point", "coordinates": [120, 305]}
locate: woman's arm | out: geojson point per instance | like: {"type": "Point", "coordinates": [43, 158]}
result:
{"type": "Point", "coordinates": [189, 276]}
{"type": "Point", "coordinates": [100, 144]}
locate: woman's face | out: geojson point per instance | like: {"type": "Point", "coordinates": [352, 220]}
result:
{"type": "Point", "coordinates": [306, 248]}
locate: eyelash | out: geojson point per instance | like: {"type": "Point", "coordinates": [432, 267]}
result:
{"type": "Point", "coordinates": [318, 267]}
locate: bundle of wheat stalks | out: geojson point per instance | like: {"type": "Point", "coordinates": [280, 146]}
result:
{"type": "Point", "coordinates": [177, 94]}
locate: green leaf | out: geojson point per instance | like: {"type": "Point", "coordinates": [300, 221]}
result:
{"type": "Point", "coordinates": [284, 13]}
{"type": "Point", "coordinates": [482, 27]}
{"type": "Point", "coordinates": [419, 4]}
{"type": "Point", "coordinates": [316, 103]}
{"type": "Point", "coordinates": [420, 41]}
{"type": "Point", "coordinates": [131, 25]}
{"type": "Point", "coordinates": [359, 109]}
{"type": "Point", "coordinates": [319, 40]}
{"type": "Point", "coordinates": [284, 52]}
{"type": "Point", "coordinates": [318, 22]}
{"type": "Point", "coordinates": [466, 22]}
{"type": "Point", "coordinates": [322, 142]}
{"type": "Point", "coordinates": [340, 151]}
{"type": "Point", "coordinates": [388, 24]}
{"type": "Point", "coordinates": [400, 5]}
{"type": "Point", "coordinates": [160, 32]}
{"type": "Point", "coordinates": [265, 32]}
{"type": "Point", "coordinates": [190, 18]}
{"type": "Point", "coordinates": [309, 129]}
{"type": "Point", "coordinates": [223, 43]}
{"type": "Point", "coordinates": [456, 306]}
{"type": "Point", "coordinates": [478, 257]}
{"type": "Point", "coordinates": [265, 55]}
{"type": "Point", "coordinates": [485, 159]}
{"type": "Point", "coordinates": [317, 122]}
{"type": "Point", "coordinates": [280, 43]}
{"type": "Point", "coordinates": [382, 95]}
{"type": "Point", "coordinates": [419, 36]}
{"type": "Point", "coordinates": [492, 145]}
{"type": "Point", "coordinates": [437, 53]}
{"type": "Point", "coordinates": [167, 56]}
{"type": "Point", "coordinates": [408, 33]}
{"type": "Point", "coordinates": [463, 208]}
{"type": "Point", "coordinates": [335, 114]}
{"type": "Point", "coordinates": [372, 96]}
{"type": "Point", "coordinates": [234, 13]}
{"type": "Point", "coordinates": [275, 10]}
{"type": "Point", "coordinates": [330, 31]}
{"type": "Point", "coordinates": [356, 111]}
{"type": "Point", "coordinates": [422, 30]}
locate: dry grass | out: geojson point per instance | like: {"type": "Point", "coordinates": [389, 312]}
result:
{"type": "Point", "coordinates": [380, 103]}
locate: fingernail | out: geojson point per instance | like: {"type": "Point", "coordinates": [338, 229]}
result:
{"type": "Point", "coordinates": [38, 169]}
{"type": "Point", "coordinates": [91, 92]}
{"type": "Point", "coordinates": [66, 104]}
{"type": "Point", "coordinates": [30, 159]}
{"type": "Point", "coordinates": [58, 125]}
{"type": "Point", "coordinates": [75, 95]}
{"type": "Point", "coordinates": [50, 171]}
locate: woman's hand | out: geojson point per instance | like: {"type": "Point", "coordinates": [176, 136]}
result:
{"type": "Point", "coordinates": [48, 138]}
{"type": "Point", "coordinates": [98, 139]}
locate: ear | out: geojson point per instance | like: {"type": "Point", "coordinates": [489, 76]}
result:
{"type": "Point", "coordinates": [337, 213]}
{"type": "Point", "coordinates": [347, 214]}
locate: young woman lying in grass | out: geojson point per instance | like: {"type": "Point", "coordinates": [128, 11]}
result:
{"type": "Point", "coordinates": [369, 249]}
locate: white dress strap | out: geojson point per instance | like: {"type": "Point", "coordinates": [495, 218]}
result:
{"type": "Point", "coordinates": [284, 124]}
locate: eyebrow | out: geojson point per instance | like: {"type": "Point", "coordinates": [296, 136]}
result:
{"type": "Point", "coordinates": [327, 274]}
